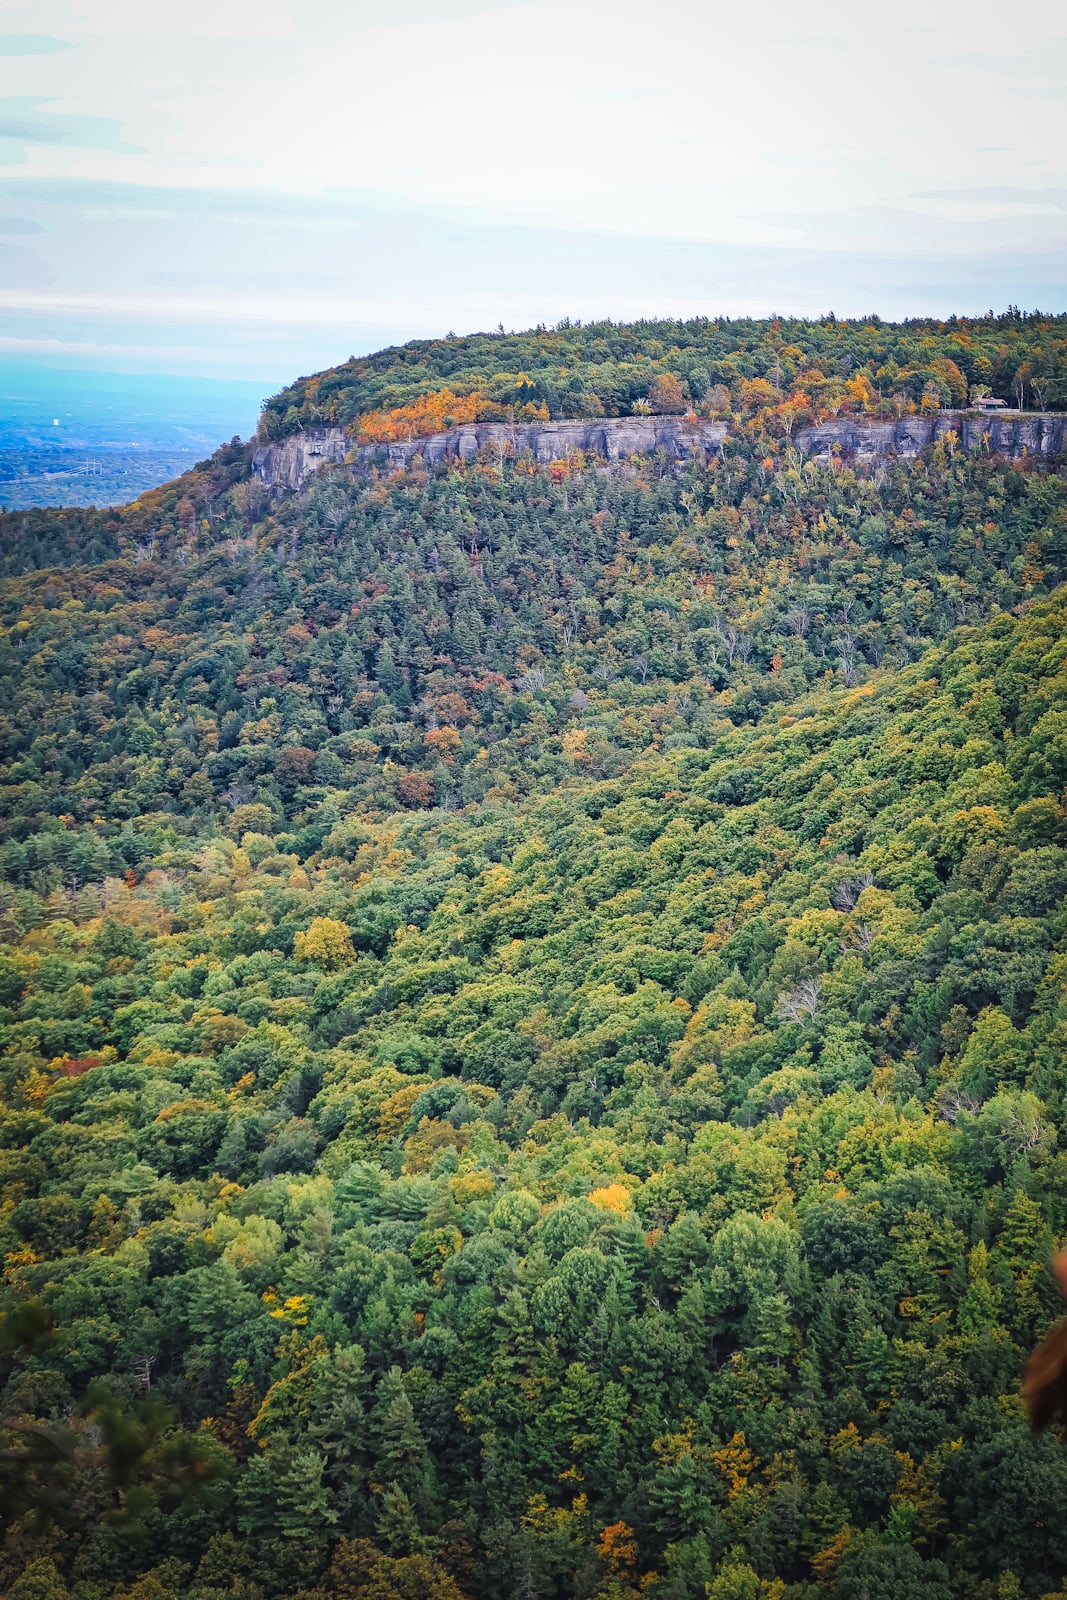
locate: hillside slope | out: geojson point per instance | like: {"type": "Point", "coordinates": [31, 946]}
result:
{"type": "Point", "coordinates": [533, 1019]}
{"type": "Point", "coordinates": [604, 368]}
{"type": "Point", "coordinates": [436, 638]}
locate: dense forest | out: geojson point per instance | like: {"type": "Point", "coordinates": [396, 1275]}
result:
{"type": "Point", "coordinates": [609, 369]}
{"type": "Point", "coordinates": [533, 1005]}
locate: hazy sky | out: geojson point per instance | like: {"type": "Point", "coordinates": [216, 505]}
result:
{"type": "Point", "coordinates": [264, 186]}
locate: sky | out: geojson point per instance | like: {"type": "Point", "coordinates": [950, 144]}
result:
{"type": "Point", "coordinates": [256, 189]}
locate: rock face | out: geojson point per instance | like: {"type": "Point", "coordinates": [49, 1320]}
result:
{"type": "Point", "coordinates": [1013, 434]}
{"type": "Point", "coordinates": [286, 465]}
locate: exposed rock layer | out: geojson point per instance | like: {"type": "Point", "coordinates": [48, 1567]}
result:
{"type": "Point", "coordinates": [287, 464]}
{"type": "Point", "coordinates": [1011, 434]}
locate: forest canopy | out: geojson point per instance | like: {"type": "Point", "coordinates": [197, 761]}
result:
{"type": "Point", "coordinates": [533, 1007]}
{"type": "Point", "coordinates": [713, 365]}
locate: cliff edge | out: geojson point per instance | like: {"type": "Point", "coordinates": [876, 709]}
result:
{"type": "Point", "coordinates": [286, 464]}
{"type": "Point", "coordinates": [1013, 434]}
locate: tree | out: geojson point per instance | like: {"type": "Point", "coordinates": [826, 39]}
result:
{"type": "Point", "coordinates": [666, 395]}
{"type": "Point", "coordinates": [327, 942]}
{"type": "Point", "coordinates": [39, 1581]}
{"type": "Point", "coordinates": [303, 1508]}
{"type": "Point", "coordinates": [415, 790]}
{"type": "Point", "coordinates": [802, 1003]}
{"type": "Point", "coordinates": [359, 1571]}
{"type": "Point", "coordinates": [890, 1572]}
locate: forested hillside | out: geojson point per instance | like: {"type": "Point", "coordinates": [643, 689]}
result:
{"type": "Point", "coordinates": [533, 1012]}
{"type": "Point", "coordinates": [609, 369]}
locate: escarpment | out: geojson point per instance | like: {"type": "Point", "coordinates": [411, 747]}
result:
{"type": "Point", "coordinates": [288, 463]}
{"type": "Point", "coordinates": [1015, 434]}
{"type": "Point", "coordinates": [285, 465]}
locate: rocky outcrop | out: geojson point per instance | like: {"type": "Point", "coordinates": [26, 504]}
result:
{"type": "Point", "coordinates": [1011, 434]}
{"type": "Point", "coordinates": [287, 464]}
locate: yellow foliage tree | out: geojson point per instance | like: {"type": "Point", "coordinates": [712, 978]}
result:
{"type": "Point", "coordinates": [431, 413]}
{"type": "Point", "coordinates": [575, 745]}
{"type": "Point", "coordinates": [327, 942]}
{"type": "Point", "coordinates": [666, 395]}
{"type": "Point", "coordinates": [444, 742]}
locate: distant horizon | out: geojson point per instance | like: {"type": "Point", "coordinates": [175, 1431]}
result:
{"type": "Point", "coordinates": [161, 209]}
{"type": "Point", "coordinates": [115, 409]}
{"type": "Point", "coordinates": [26, 366]}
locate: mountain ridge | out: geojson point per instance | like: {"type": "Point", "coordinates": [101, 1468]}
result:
{"type": "Point", "coordinates": [533, 1007]}
{"type": "Point", "coordinates": [289, 463]}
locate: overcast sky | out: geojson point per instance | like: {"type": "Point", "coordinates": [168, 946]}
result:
{"type": "Point", "coordinates": [262, 187]}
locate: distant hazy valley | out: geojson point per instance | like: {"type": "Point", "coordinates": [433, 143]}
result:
{"type": "Point", "coordinates": [102, 438]}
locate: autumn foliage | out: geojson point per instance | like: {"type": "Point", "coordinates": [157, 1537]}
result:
{"type": "Point", "coordinates": [431, 413]}
{"type": "Point", "coordinates": [435, 412]}
{"type": "Point", "coordinates": [532, 1000]}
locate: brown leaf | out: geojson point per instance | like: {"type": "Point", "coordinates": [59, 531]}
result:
{"type": "Point", "coordinates": [1045, 1379]}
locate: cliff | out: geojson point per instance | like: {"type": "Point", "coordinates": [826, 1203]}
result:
{"type": "Point", "coordinates": [287, 464]}
{"type": "Point", "coordinates": [1012, 434]}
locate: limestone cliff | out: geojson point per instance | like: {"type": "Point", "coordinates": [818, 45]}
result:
{"type": "Point", "coordinates": [287, 464]}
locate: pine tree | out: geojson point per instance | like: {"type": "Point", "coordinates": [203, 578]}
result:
{"type": "Point", "coordinates": [1024, 1247]}
{"type": "Point", "coordinates": [305, 1511]}
{"type": "Point", "coordinates": [396, 1525]}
